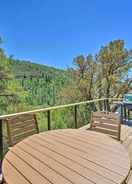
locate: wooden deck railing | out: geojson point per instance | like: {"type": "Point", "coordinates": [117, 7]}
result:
{"type": "Point", "coordinates": [58, 107]}
{"type": "Point", "coordinates": [48, 111]}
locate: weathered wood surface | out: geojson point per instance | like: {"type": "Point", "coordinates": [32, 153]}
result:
{"type": "Point", "coordinates": [66, 157]}
{"type": "Point", "coordinates": [20, 127]}
{"type": "Point", "coordinates": [108, 115]}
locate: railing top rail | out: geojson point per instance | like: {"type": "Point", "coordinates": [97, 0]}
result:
{"type": "Point", "coordinates": [55, 107]}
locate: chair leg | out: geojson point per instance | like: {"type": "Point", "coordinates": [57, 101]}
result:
{"type": "Point", "coordinates": [1, 179]}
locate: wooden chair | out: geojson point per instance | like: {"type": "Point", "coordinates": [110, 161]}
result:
{"type": "Point", "coordinates": [107, 123]}
{"type": "Point", "coordinates": [20, 127]}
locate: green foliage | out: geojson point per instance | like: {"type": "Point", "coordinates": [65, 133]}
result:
{"type": "Point", "coordinates": [41, 82]}
{"type": "Point", "coordinates": [12, 95]}
{"type": "Point", "coordinates": [42, 121]}
{"type": "Point", "coordinates": [58, 120]}
{"type": "Point", "coordinates": [114, 63]}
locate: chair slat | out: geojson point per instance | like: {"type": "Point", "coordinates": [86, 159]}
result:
{"type": "Point", "coordinates": [105, 131]}
{"type": "Point", "coordinates": [23, 135]}
{"type": "Point", "coordinates": [109, 115]}
{"type": "Point", "coordinates": [22, 124]}
{"type": "Point", "coordinates": [20, 127]}
{"type": "Point", "coordinates": [107, 123]}
{"type": "Point", "coordinates": [24, 129]}
{"type": "Point", "coordinates": [24, 117]}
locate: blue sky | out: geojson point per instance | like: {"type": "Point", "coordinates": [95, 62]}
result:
{"type": "Point", "coordinates": [52, 32]}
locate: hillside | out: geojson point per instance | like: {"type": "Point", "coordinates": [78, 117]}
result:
{"type": "Point", "coordinates": [28, 69]}
{"type": "Point", "coordinates": [43, 83]}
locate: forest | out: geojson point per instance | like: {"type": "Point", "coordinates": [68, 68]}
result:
{"type": "Point", "coordinates": [25, 85]}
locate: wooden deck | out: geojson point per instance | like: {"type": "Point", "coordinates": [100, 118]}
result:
{"type": "Point", "coordinates": [67, 157]}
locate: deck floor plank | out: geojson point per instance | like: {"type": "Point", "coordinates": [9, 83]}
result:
{"type": "Point", "coordinates": [97, 145]}
{"type": "Point", "coordinates": [14, 174]}
{"type": "Point", "coordinates": [28, 172]}
{"type": "Point", "coordinates": [96, 156]}
{"type": "Point", "coordinates": [55, 159]}
{"type": "Point", "coordinates": [56, 153]}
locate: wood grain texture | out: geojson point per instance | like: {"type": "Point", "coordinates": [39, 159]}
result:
{"type": "Point", "coordinates": [66, 157]}
{"type": "Point", "coordinates": [108, 115]}
{"type": "Point", "coordinates": [20, 127]}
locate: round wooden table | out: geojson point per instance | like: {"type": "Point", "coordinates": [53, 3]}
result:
{"type": "Point", "coordinates": [66, 157]}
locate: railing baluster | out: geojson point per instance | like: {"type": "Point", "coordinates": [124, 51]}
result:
{"type": "Point", "coordinates": [49, 119]}
{"type": "Point", "coordinates": [75, 108]}
{"type": "Point", "coordinates": [103, 105]}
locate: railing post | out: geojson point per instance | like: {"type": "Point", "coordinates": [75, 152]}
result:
{"type": "Point", "coordinates": [75, 109]}
{"type": "Point", "coordinates": [49, 120]}
{"type": "Point", "coordinates": [1, 140]}
{"type": "Point", "coordinates": [119, 130]}
{"type": "Point", "coordinates": [121, 115]}
{"type": "Point", "coordinates": [105, 105]}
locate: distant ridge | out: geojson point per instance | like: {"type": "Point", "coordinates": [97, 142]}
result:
{"type": "Point", "coordinates": [25, 69]}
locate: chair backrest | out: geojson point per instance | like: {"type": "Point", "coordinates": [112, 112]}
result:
{"type": "Point", "coordinates": [20, 127]}
{"type": "Point", "coordinates": [107, 123]}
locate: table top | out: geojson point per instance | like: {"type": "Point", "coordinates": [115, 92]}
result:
{"type": "Point", "coordinates": [66, 156]}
